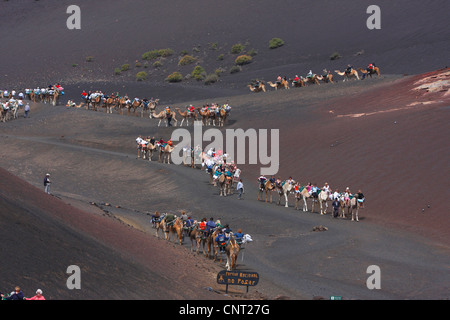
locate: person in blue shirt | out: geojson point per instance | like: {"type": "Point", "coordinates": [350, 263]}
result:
{"type": "Point", "coordinates": [16, 295]}
{"type": "Point", "coordinates": [210, 226]}
{"type": "Point", "coordinates": [221, 240]}
{"type": "Point", "coordinates": [239, 236]}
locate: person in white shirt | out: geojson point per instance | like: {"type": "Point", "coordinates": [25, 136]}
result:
{"type": "Point", "coordinates": [240, 189]}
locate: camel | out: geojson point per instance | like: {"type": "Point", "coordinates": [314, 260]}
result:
{"type": "Point", "coordinates": [14, 109]}
{"type": "Point", "coordinates": [110, 104]}
{"type": "Point", "coordinates": [323, 197]}
{"type": "Point", "coordinates": [165, 152]}
{"type": "Point", "coordinates": [223, 114]}
{"type": "Point", "coordinates": [152, 107]}
{"type": "Point", "coordinates": [343, 206]}
{"type": "Point", "coordinates": [211, 243]}
{"type": "Point", "coordinates": [196, 155]}
{"type": "Point", "coordinates": [303, 194]}
{"type": "Point", "coordinates": [54, 99]}
{"type": "Point", "coordinates": [326, 78]}
{"type": "Point", "coordinates": [313, 79]}
{"type": "Point", "coordinates": [186, 115]}
{"type": "Point", "coordinates": [348, 76]}
{"type": "Point", "coordinates": [147, 151]}
{"type": "Point", "coordinates": [4, 112]}
{"type": "Point", "coordinates": [205, 115]}
{"type": "Point", "coordinates": [223, 184]}
{"type": "Point", "coordinates": [72, 104]}
{"type": "Point", "coordinates": [156, 220]}
{"type": "Point", "coordinates": [95, 103]}
{"type": "Point", "coordinates": [122, 103]}
{"type": "Point", "coordinates": [365, 73]}
{"type": "Point", "coordinates": [354, 207]}
{"type": "Point", "coordinates": [232, 251]}
{"type": "Point", "coordinates": [285, 189]}
{"type": "Point", "coordinates": [268, 188]}
{"type": "Point", "coordinates": [279, 85]}
{"type": "Point", "coordinates": [261, 87]}
{"type": "Point", "coordinates": [32, 96]}
{"type": "Point", "coordinates": [299, 83]}
{"type": "Point", "coordinates": [41, 96]}
{"type": "Point", "coordinates": [196, 237]}
{"type": "Point", "coordinates": [164, 115]}
{"type": "Point", "coordinates": [175, 227]}
{"type": "Point", "coordinates": [136, 104]}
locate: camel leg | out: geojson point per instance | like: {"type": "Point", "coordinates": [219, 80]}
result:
{"type": "Point", "coordinates": [286, 200]}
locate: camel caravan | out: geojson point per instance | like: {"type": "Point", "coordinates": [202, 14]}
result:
{"type": "Point", "coordinates": [210, 114]}
{"type": "Point", "coordinates": [223, 174]}
{"type": "Point", "coordinates": [97, 100]}
{"type": "Point", "coordinates": [13, 102]}
{"type": "Point", "coordinates": [341, 202]}
{"type": "Point", "coordinates": [208, 237]}
{"type": "Point", "coordinates": [311, 78]}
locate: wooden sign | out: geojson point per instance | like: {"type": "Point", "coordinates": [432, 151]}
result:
{"type": "Point", "coordinates": [238, 278]}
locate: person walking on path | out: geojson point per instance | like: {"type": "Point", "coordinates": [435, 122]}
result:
{"type": "Point", "coordinates": [47, 183]}
{"type": "Point", "coordinates": [26, 110]}
{"type": "Point", "coordinates": [240, 189]}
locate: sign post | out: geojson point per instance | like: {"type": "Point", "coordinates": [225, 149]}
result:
{"type": "Point", "coordinates": [238, 278]}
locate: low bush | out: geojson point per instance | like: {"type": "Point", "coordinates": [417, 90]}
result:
{"type": "Point", "coordinates": [165, 52]}
{"type": "Point", "coordinates": [141, 76]}
{"type": "Point", "coordinates": [125, 67]}
{"type": "Point", "coordinates": [243, 59]}
{"type": "Point", "coordinates": [235, 69]}
{"type": "Point", "coordinates": [211, 78]}
{"type": "Point", "coordinates": [175, 77]}
{"type": "Point", "coordinates": [276, 43]}
{"type": "Point", "coordinates": [187, 59]}
{"type": "Point", "coordinates": [237, 48]}
{"type": "Point", "coordinates": [198, 73]}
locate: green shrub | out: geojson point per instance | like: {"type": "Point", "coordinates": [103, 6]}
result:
{"type": "Point", "coordinates": [138, 65]}
{"type": "Point", "coordinates": [243, 59]}
{"type": "Point", "coordinates": [141, 76]}
{"type": "Point", "coordinates": [183, 53]}
{"type": "Point", "coordinates": [165, 52]}
{"type": "Point", "coordinates": [213, 46]}
{"type": "Point", "coordinates": [235, 69]}
{"type": "Point", "coordinates": [221, 57]}
{"type": "Point", "coordinates": [198, 73]}
{"type": "Point", "coordinates": [211, 78]}
{"type": "Point", "coordinates": [150, 55]}
{"type": "Point", "coordinates": [89, 59]}
{"type": "Point", "coordinates": [237, 48]}
{"type": "Point", "coordinates": [175, 77]}
{"type": "Point", "coordinates": [275, 43]}
{"type": "Point", "coordinates": [187, 59]}
{"type": "Point", "coordinates": [125, 67]}
{"type": "Point", "coordinates": [157, 64]}
{"type": "Point", "coordinates": [117, 71]}
{"type": "Point", "coordinates": [335, 56]}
